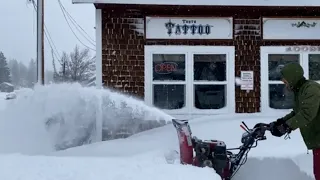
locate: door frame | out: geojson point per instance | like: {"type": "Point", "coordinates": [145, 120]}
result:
{"type": "Point", "coordinates": [189, 94]}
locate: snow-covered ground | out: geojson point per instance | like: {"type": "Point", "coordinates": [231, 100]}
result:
{"type": "Point", "coordinates": [17, 167]}
{"type": "Point", "coordinates": [135, 158]}
{"type": "Point", "coordinates": [2, 100]}
{"type": "Point", "coordinates": [274, 158]}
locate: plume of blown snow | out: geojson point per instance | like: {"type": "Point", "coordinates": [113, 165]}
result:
{"type": "Point", "coordinates": [59, 116]}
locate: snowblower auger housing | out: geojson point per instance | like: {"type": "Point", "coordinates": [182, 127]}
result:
{"type": "Point", "coordinates": [214, 153]}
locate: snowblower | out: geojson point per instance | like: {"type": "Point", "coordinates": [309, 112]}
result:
{"type": "Point", "coordinates": [214, 153]}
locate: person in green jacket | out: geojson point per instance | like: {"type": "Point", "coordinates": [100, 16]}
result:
{"type": "Point", "coordinates": [306, 111]}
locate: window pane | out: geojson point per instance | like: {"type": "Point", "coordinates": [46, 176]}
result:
{"type": "Point", "coordinates": [314, 66]}
{"type": "Point", "coordinates": [276, 63]}
{"type": "Point", "coordinates": [169, 96]}
{"type": "Point", "coordinates": [169, 67]}
{"type": "Point", "coordinates": [210, 96]}
{"type": "Point", "coordinates": [280, 97]}
{"type": "Point", "coordinates": [210, 67]}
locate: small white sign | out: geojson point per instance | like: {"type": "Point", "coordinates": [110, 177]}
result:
{"type": "Point", "coordinates": [247, 80]}
{"type": "Point", "coordinates": [291, 28]}
{"type": "Point", "coordinates": [188, 28]}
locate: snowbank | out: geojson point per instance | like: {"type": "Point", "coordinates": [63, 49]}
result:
{"type": "Point", "coordinates": [2, 100]}
{"type": "Point", "coordinates": [274, 158]}
{"type": "Point", "coordinates": [17, 167]}
{"type": "Point", "coordinates": [58, 116]}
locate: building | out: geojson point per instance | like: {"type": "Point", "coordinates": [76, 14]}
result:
{"type": "Point", "coordinates": [183, 56]}
{"type": "Point", "coordinates": [6, 87]}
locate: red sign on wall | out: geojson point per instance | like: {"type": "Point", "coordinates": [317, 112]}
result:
{"type": "Point", "coordinates": [166, 67]}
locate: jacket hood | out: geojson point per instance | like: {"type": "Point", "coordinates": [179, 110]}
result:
{"type": "Point", "coordinates": [293, 73]}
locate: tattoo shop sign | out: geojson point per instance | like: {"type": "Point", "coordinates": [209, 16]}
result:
{"type": "Point", "coordinates": [188, 28]}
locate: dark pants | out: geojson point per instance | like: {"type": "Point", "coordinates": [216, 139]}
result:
{"type": "Point", "coordinates": [316, 163]}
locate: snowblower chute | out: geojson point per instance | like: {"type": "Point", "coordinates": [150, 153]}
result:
{"type": "Point", "coordinates": [185, 141]}
{"type": "Point", "coordinates": [214, 153]}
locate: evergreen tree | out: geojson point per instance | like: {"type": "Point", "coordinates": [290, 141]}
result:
{"type": "Point", "coordinates": [4, 69]}
{"type": "Point", "coordinates": [15, 72]}
{"type": "Point", "coordinates": [23, 81]}
{"type": "Point", "coordinates": [32, 73]}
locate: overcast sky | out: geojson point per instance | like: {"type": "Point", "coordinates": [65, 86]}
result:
{"type": "Point", "coordinates": [18, 28]}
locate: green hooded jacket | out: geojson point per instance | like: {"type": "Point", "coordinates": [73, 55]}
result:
{"type": "Point", "coordinates": [306, 110]}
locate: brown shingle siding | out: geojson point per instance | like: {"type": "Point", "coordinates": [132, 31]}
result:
{"type": "Point", "coordinates": [247, 34]}
{"type": "Point", "coordinates": [122, 52]}
{"type": "Point", "coordinates": [123, 43]}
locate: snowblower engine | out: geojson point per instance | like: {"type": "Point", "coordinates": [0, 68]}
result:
{"type": "Point", "coordinates": [214, 153]}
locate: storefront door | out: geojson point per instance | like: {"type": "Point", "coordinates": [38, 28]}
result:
{"type": "Point", "coordinates": [190, 80]}
{"type": "Point", "coordinates": [274, 95]}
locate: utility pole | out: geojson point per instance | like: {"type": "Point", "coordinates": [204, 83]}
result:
{"type": "Point", "coordinates": [40, 41]}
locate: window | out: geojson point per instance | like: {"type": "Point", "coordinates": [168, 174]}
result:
{"type": "Point", "coordinates": [192, 80]}
{"type": "Point", "coordinates": [209, 81]}
{"type": "Point", "coordinates": [274, 94]}
{"type": "Point", "coordinates": [314, 67]}
{"type": "Point", "coordinates": [169, 67]}
{"type": "Point", "coordinates": [168, 96]}
{"type": "Point", "coordinates": [169, 80]}
{"type": "Point", "coordinates": [279, 96]}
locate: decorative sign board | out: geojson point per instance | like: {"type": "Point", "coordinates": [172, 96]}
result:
{"type": "Point", "coordinates": [165, 67]}
{"type": "Point", "coordinates": [247, 81]}
{"type": "Point", "coordinates": [291, 28]}
{"type": "Point", "coordinates": [188, 28]}
{"type": "Point", "coordinates": [303, 49]}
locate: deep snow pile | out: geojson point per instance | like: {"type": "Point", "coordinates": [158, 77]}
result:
{"type": "Point", "coordinates": [73, 109]}
{"type": "Point", "coordinates": [17, 167]}
{"type": "Point", "coordinates": [274, 158]}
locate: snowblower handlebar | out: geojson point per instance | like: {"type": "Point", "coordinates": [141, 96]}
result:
{"type": "Point", "coordinates": [257, 133]}
{"type": "Point", "coordinates": [248, 139]}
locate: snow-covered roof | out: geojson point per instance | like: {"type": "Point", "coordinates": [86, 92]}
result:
{"type": "Point", "coordinates": [6, 83]}
{"type": "Point", "coordinates": [210, 2]}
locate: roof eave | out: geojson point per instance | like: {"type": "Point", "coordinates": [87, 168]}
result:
{"type": "Point", "coordinates": [83, 1]}
{"type": "Point", "coordinates": [271, 3]}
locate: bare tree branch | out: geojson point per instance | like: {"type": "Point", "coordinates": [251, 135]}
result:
{"type": "Point", "coordinates": [78, 66]}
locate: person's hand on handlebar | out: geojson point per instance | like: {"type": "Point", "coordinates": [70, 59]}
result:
{"type": "Point", "coordinates": [279, 128]}
{"type": "Point", "coordinates": [261, 125]}
{"type": "Point", "coordinates": [260, 129]}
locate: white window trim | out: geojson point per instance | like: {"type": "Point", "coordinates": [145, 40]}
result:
{"type": "Point", "coordinates": [99, 85]}
{"type": "Point", "coordinates": [306, 71]}
{"type": "Point", "coordinates": [189, 108]}
{"type": "Point", "coordinates": [265, 50]}
{"type": "Point", "coordinates": [99, 48]}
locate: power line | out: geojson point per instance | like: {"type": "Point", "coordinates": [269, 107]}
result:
{"type": "Point", "coordinates": [64, 15]}
{"type": "Point", "coordinates": [47, 32]}
{"type": "Point", "coordinates": [58, 57]}
{"type": "Point", "coordinates": [76, 24]}
{"type": "Point", "coordinates": [48, 36]}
